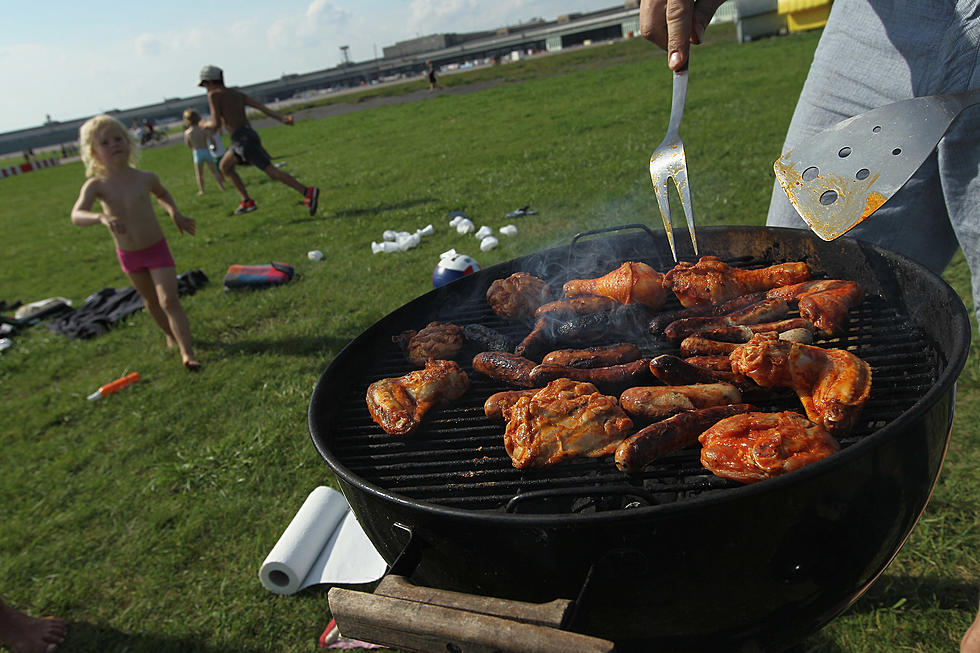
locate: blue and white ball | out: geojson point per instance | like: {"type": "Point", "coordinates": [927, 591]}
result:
{"type": "Point", "coordinates": [452, 266]}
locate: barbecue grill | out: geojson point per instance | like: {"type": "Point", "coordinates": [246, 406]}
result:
{"type": "Point", "coordinates": [671, 556]}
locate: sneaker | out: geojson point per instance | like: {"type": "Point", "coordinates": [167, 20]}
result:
{"type": "Point", "coordinates": [312, 198]}
{"type": "Point", "coordinates": [246, 206]}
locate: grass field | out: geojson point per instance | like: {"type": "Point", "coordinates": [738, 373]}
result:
{"type": "Point", "coordinates": [143, 518]}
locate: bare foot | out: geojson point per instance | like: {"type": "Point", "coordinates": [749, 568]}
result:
{"type": "Point", "coordinates": [200, 192]}
{"type": "Point", "coordinates": [26, 634]}
{"type": "Point", "coordinates": [192, 364]}
{"type": "Point", "coordinates": [971, 639]}
{"type": "Point", "coordinates": [171, 343]}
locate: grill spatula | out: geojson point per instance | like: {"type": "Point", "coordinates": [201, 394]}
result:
{"type": "Point", "coordinates": [839, 177]}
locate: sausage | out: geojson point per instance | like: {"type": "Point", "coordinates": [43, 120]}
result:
{"type": "Point", "coordinates": [658, 323]}
{"type": "Point", "coordinates": [594, 356]}
{"type": "Point", "coordinates": [766, 310]}
{"type": "Point", "coordinates": [713, 363]}
{"type": "Point", "coordinates": [699, 346]}
{"type": "Point", "coordinates": [486, 338]}
{"type": "Point", "coordinates": [612, 376]}
{"type": "Point", "coordinates": [623, 322]}
{"type": "Point", "coordinates": [676, 371]}
{"type": "Point", "coordinates": [504, 366]}
{"type": "Point", "coordinates": [498, 402]}
{"type": "Point", "coordinates": [671, 434]}
{"type": "Point", "coordinates": [660, 401]}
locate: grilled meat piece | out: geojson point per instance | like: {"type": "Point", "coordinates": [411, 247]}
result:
{"type": "Point", "coordinates": [698, 346]}
{"type": "Point", "coordinates": [755, 446]}
{"type": "Point", "coordinates": [672, 370]}
{"type": "Point", "coordinates": [710, 280]}
{"type": "Point", "coordinates": [550, 332]}
{"type": "Point", "coordinates": [499, 403]}
{"type": "Point", "coordinates": [832, 384]}
{"type": "Point", "coordinates": [658, 323]}
{"type": "Point", "coordinates": [630, 282]}
{"type": "Point", "coordinates": [572, 306]}
{"type": "Point", "coordinates": [593, 356]}
{"type": "Point", "coordinates": [671, 434]}
{"type": "Point", "coordinates": [612, 378]}
{"type": "Point", "coordinates": [518, 296]}
{"type": "Point", "coordinates": [760, 312]}
{"type": "Point", "coordinates": [504, 366]}
{"type": "Point", "coordinates": [744, 332]}
{"type": "Point", "coordinates": [488, 339]}
{"type": "Point", "coordinates": [566, 419]}
{"type": "Point", "coordinates": [660, 401]}
{"type": "Point", "coordinates": [826, 303]}
{"type": "Point", "coordinates": [398, 404]}
{"type": "Point", "coordinates": [712, 363]}
{"type": "Point", "coordinates": [438, 340]}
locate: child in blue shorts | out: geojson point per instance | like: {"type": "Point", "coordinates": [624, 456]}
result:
{"type": "Point", "coordinates": [200, 140]}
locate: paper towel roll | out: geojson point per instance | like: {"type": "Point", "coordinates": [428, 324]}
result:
{"type": "Point", "coordinates": [289, 562]}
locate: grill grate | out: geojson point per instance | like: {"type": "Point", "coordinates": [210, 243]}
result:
{"type": "Point", "coordinates": [457, 457]}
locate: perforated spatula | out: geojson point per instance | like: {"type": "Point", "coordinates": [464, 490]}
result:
{"type": "Point", "coordinates": [841, 176]}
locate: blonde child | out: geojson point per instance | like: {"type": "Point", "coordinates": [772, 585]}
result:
{"type": "Point", "coordinates": [200, 142]}
{"type": "Point", "coordinates": [108, 152]}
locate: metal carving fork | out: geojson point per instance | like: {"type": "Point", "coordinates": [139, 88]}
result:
{"type": "Point", "coordinates": [669, 161]}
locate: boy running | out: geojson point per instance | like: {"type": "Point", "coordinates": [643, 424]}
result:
{"type": "Point", "coordinates": [228, 111]}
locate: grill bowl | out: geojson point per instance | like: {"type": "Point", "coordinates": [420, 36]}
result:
{"type": "Point", "coordinates": [673, 557]}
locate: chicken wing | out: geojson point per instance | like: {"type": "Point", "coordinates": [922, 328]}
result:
{"type": "Point", "coordinates": [398, 404]}
{"type": "Point", "coordinates": [752, 447]}
{"type": "Point", "coordinates": [826, 302]}
{"type": "Point", "coordinates": [832, 384]}
{"type": "Point", "coordinates": [710, 280]}
{"type": "Point", "coordinates": [661, 401]}
{"type": "Point", "coordinates": [518, 296]}
{"type": "Point", "coordinates": [437, 340]}
{"type": "Point", "coordinates": [563, 420]}
{"type": "Point", "coordinates": [631, 282]}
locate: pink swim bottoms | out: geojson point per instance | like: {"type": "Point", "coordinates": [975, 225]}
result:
{"type": "Point", "coordinates": [149, 258]}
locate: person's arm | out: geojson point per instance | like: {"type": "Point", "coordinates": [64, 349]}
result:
{"type": "Point", "coordinates": [82, 214]}
{"type": "Point", "coordinates": [166, 200]}
{"type": "Point", "coordinates": [187, 138]}
{"type": "Point", "coordinates": [214, 122]}
{"type": "Point", "coordinates": [252, 102]}
{"type": "Point", "coordinates": [675, 24]}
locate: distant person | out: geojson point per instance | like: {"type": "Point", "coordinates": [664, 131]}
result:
{"type": "Point", "coordinates": [108, 153]}
{"type": "Point", "coordinates": [22, 633]}
{"type": "Point", "coordinates": [200, 142]}
{"type": "Point", "coordinates": [228, 111]}
{"type": "Point", "coordinates": [431, 70]}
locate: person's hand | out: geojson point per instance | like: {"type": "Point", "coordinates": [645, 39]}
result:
{"type": "Point", "coordinates": [185, 225]}
{"type": "Point", "coordinates": [289, 120]}
{"type": "Point", "coordinates": [675, 24]}
{"type": "Point", "coordinates": [113, 223]}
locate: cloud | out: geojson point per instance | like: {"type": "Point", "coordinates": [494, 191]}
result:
{"type": "Point", "coordinates": [148, 45]}
{"type": "Point", "coordinates": [322, 22]}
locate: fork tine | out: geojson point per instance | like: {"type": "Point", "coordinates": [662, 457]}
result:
{"type": "Point", "coordinates": [660, 190]}
{"type": "Point", "coordinates": [684, 190]}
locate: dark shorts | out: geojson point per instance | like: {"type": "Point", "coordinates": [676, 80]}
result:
{"type": "Point", "coordinates": [247, 147]}
{"type": "Point", "coordinates": [146, 259]}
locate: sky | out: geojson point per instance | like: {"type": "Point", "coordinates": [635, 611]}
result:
{"type": "Point", "coordinates": [65, 59]}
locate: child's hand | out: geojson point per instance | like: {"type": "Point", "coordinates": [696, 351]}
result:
{"type": "Point", "coordinates": [185, 224]}
{"type": "Point", "coordinates": [289, 120]}
{"type": "Point", "coordinates": [113, 223]}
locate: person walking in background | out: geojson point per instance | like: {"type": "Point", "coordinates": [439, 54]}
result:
{"type": "Point", "coordinates": [228, 111]}
{"type": "Point", "coordinates": [431, 70]}
{"type": "Point", "coordinates": [22, 633]}
{"type": "Point", "coordinates": [109, 154]}
{"type": "Point", "coordinates": [200, 140]}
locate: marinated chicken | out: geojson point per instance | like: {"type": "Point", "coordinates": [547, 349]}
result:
{"type": "Point", "coordinates": [518, 296]}
{"type": "Point", "coordinates": [710, 280]}
{"type": "Point", "coordinates": [632, 282]}
{"type": "Point", "coordinates": [832, 384]}
{"type": "Point", "coordinates": [755, 446]}
{"type": "Point", "coordinates": [437, 340]}
{"type": "Point", "coordinates": [398, 404]}
{"type": "Point", "coordinates": [563, 420]}
{"type": "Point", "coordinates": [660, 401]}
{"type": "Point", "coordinates": [826, 303]}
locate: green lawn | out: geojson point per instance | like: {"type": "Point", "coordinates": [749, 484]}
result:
{"type": "Point", "coordinates": [143, 518]}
